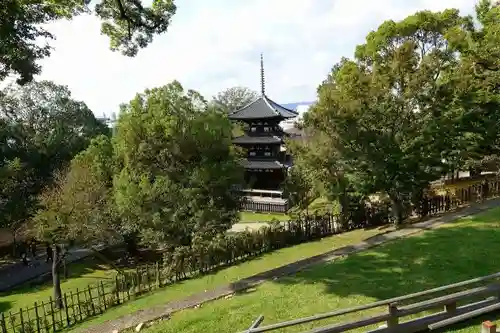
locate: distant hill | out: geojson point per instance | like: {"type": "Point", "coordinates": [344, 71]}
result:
{"type": "Point", "coordinates": [294, 106]}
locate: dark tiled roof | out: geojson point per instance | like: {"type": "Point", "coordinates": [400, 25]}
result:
{"type": "Point", "coordinates": [262, 108]}
{"type": "Point", "coordinates": [252, 164]}
{"type": "Point", "coordinates": [245, 139]}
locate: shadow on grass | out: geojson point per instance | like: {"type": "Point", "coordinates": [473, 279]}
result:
{"type": "Point", "coordinates": [435, 258]}
{"type": "Point", "coordinates": [4, 306]}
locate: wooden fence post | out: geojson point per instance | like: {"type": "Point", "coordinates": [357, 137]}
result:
{"type": "Point", "coordinates": [450, 308]}
{"type": "Point", "coordinates": [2, 323]}
{"type": "Point", "coordinates": [488, 327]}
{"type": "Point", "coordinates": [66, 309]}
{"type": "Point", "coordinates": [21, 319]}
{"type": "Point", "coordinates": [52, 314]}
{"type": "Point", "coordinates": [157, 272]}
{"type": "Point", "coordinates": [79, 304]}
{"type": "Point", "coordinates": [117, 291]}
{"type": "Point", "coordinates": [37, 318]}
{"type": "Point", "coordinates": [393, 321]}
{"type": "Point", "coordinates": [91, 301]}
{"type": "Point", "coordinates": [103, 293]}
{"type": "Point", "coordinates": [148, 283]}
{"type": "Point", "coordinates": [45, 321]}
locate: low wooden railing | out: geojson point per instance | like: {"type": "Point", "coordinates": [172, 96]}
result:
{"type": "Point", "coordinates": [481, 295]}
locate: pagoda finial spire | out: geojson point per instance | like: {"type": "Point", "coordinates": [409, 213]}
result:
{"type": "Point", "coordinates": [262, 82]}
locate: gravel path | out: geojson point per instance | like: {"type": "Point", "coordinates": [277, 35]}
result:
{"type": "Point", "coordinates": [164, 311]}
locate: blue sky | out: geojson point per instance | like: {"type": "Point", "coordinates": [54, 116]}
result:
{"type": "Point", "coordinates": [213, 45]}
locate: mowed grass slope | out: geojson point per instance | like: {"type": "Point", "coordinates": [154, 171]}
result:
{"type": "Point", "coordinates": [452, 253]}
{"type": "Point", "coordinates": [234, 273]}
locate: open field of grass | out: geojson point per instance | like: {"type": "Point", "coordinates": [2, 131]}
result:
{"type": "Point", "coordinates": [452, 253]}
{"type": "Point", "coordinates": [235, 273]}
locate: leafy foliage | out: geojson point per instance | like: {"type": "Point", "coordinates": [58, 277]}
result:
{"type": "Point", "coordinates": [129, 24]}
{"type": "Point", "coordinates": [234, 98]}
{"type": "Point", "coordinates": [78, 206]}
{"type": "Point", "coordinates": [41, 129]}
{"type": "Point", "coordinates": [411, 105]}
{"type": "Point", "coordinates": [178, 168]}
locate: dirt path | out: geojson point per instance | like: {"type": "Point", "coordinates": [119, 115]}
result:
{"type": "Point", "coordinates": [162, 311]}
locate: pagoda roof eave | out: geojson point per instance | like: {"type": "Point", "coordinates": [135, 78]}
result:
{"type": "Point", "coordinates": [262, 108]}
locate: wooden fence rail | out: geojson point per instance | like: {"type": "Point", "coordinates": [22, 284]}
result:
{"type": "Point", "coordinates": [457, 302]}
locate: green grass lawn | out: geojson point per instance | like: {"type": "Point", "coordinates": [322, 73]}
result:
{"type": "Point", "coordinates": [452, 253]}
{"type": "Point", "coordinates": [247, 217]}
{"type": "Point", "coordinates": [80, 275]}
{"type": "Point", "coordinates": [235, 273]}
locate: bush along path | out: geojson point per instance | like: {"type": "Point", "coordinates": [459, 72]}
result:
{"type": "Point", "coordinates": [152, 314]}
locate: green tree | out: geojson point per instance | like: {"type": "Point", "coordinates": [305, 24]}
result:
{"type": "Point", "coordinates": [234, 98]}
{"type": "Point", "coordinates": [322, 165]}
{"type": "Point", "coordinates": [78, 207]}
{"type": "Point", "coordinates": [129, 24]}
{"type": "Point", "coordinates": [385, 111]}
{"type": "Point", "coordinates": [41, 129]}
{"type": "Point", "coordinates": [477, 87]}
{"type": "Point", "coordinates": [177, 168]}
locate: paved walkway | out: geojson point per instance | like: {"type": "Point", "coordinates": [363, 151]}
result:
{"type": "Point", "coordinates": [164, 311]}
{"type": "Point", "coordinates": [17, 274]}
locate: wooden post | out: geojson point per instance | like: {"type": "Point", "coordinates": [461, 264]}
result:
{"type": "Point", "coordinates": [139, 280]}
{"type": "Point", "coordinates": [52, 314]}
{"type": "Point", "coordinates": [103, 295]}
{"type": "Point", "coordinates": [12, 321]}
{"type": "Point", "coordinates": [393, 313]}
{"type": "Point", "coordinates": [2, 323]}
{"type": "Point", "coordinates": [450, 308]}
{"type": "Point", "coordinates": [148, 284]}
{"type": "Point", "coordinates": [99, 298]}
{"type": "Point", "coordinates": [45, 321]}
{"type": "Point", "coordinates": [37, 318]}
{"type": "Point", "coordinates": [488, 327]}
{"type": "Point", "coordinates": [126, 282]}
{"type": "Point", "coordinates": [68, 321]}
{"type": "Point", "coordinates": [21, 319]}
{"type": "Point", "coordinates": [79, 304]}
{"type": "Point", "coordinates": [158, 278]}
{"type": "Point", "coordinates": [73, 306]}
{"type": "Point", "coordinates": [117, 290]}
{"type": "Point", "coordinates": [91, 301]}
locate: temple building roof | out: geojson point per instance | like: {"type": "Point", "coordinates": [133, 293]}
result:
{"type": "Point", "coordinates": [263, 107]}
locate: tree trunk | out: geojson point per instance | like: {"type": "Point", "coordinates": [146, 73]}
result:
{"type": "Point", "coordinates": [131, 244]}
{"type": "Point", "coordinates": [344, 210]}
{"type": "Point", "coordinates": [56, 279]}
{"type": "Point", "coordinates": [397, 209]}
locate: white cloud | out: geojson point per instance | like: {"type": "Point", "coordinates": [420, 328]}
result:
{"type": "Point", "coordinates": [213, 45]}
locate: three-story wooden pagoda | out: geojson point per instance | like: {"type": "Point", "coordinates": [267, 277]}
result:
{"type": "Point", "coordinates": [267, 161]}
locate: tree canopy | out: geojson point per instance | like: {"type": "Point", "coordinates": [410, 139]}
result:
{"type": "Point", "coordinates": [419, 99]}
{"type": "Point", "coordinates": [130, 25]}
{"type": "Point", "coordinates": [41, 129]}
{"type": "Point", "coordinates": [234, 98]}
